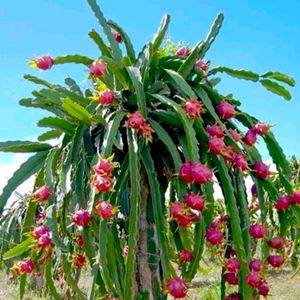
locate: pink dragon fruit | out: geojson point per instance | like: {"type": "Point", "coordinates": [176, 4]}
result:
{"type": "Point", "coordinates": [215, 130]}
{"type": "Point", "coordinates": [106, 97]}
{"type": "Point", "coordinates": [79, 240]}
{"type": "Point", "coordinates": [185, 172]}
{"type": "Point", "coordinates": [39, 231]}
{"type": "Point", "coordinates": [185, 256]}
{"type": "Point", "coordinates": [192, 108]}
{"type": "Point", "coordinates": [258, 231]}
{"type": "Point", "coordinates": [295, 197]}
{"type": "Point", "coordinates": [27, 266]}
{"type": "Point", "coordinates": [275, 260]}
{"type": "Point", "coordinates": [183, 52]}
{"type": "Point", "coordinates": [98, 69]}
{"type": "Point", "coordinates": [261, 170]}
{"type": "Point", "coordinates": [43, 241]}
{"type": "Point", "coordinates": [78, 260]}
{"type": "Point", "coordinates": [177, 209]}
{"type": "Point", "coordinates": [256, 265]}
{"type": "Point", "coordinates": [283, 203]}
{"type": "Point", "coordinates": [234, 134]}
{"type": "Point", "coordinates": [42, 194]}
{"type": "Point", "coordinates": [214, 236]}
{"type": "Point", "coordinates": [105, 210]}
{"type": "Point", "coordinates": [194, 201]}
{"type": "Point", "coordinates": [240, 161]}
{"type": "Point", "coordinates": [261, 128]}
{"type": "Point", "coordinates": [176, 287]}
{"type": "Point", "coordinates": [201, 65]}
{"type": "Point", "coordinates": [226, 110]}
{"type": "Point", "coordinates": [105, 166]}
{"type": "Point", "coordinates": [81, 217]}
{"type": "Point", "coordinates": [232, 264]}
{"type": "Point", "coordinates": [44, 62]}
{"type": "Point", "coordinates": [201, 173]}
{"type": "Point", "coordinates": [276, 243]}
{"type": "Point", "coordinates": [250, 137]}
{"type": "Point", "coordinates": [263, 290]}
{"type": "Point", "coordinates": [103, 183]}
{"type": "Point", "coordinates": [216, 145]}
{"type": "Point", "coordinates": [233, 296]}
{"type": "Point", "coordinates": [135, 120]}
{"type": "Point", "coordinates": [231, 278]}
{"type": "Point", "coordinates": [254, 279]}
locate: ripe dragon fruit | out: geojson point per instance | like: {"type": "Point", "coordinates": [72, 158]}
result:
{"type": "Point", "coordinates": [185, 172]}
{"type": "Point", "coordinates": [78, 260]}
{"type": "Point", "coordinates": [233, 296]}
{"type": "Point", "coordinates": [250, 137]}
{"type": "Point", "coordinates": [42, 194]}
{"type": "Point", "coordinates": [258, 231]}
{"type": "Point", "coordinates": [263, 290]}
{"type": "Point", "coordinates": [215, 130]}
{"type": "Point", "coordinates": [106, 97]}
{"type": "Point", "coordinates": [226, 110]}
{"type": "Point", "coordinates": [103, 183]}
{"type": "Point", "coordinates": [254, 279]}
{"type": "Point", "coordinates": [135, 120]}
{"type": "Point", "coordinates": [240, 161]}
{"type": "Point", "coordinates": [261, 128]}
{"type": "Point", "coordinates": [201, 65]}
{"type": "Point", "coordinates": [79, 240]}
{"type": "Point", "coordinates": [275, 260]}
{"type": "Point", "coordinates": [81, 217]}
{"type": "Point", "coordinates": [214, 236]}
{"type": "Point", "coordinates": [176, 287]}
{"type": "Point", "coordinates": [276, 243]}
{"type": "Point", "coordinates": [43, 241]}
{"type": "Point", "coordinates": [295, 197]}
{"type": "Point", "coordinates": [283, 203]}
{"type": "Point", "coordinates": [39, 231]}
{"type": "Point", "coordinates": [256, 265]}
{"type": "Point", "coordinates": [192, 108]}
{"type": "Point", "coordinates": [105, 166]}
{"type": "Point", "coordinates": [183, 52]}
{"type": "Point", "coordinates": [98, 69]}
{"type": "Point", "coordinates": [261, 170]}
{"type": "Point", "coordinates": [194, 201]}
{"type": "Point", "coordinates": [234, 134]}
{"type": "Point", "coordinates": [44, 62]}
{"type": "Point", "coordinates": [105, 210]}
{"type": "Point", "coordinates": [216, 145]}
{"type": "Point", "coordinates": [185, 256]}
{"type": "Point", "coordinates": [231, 278]}
{"type": "Point", "coordinates": [201, 173]}
{"type": "Point", "coordinates": [232, 264]}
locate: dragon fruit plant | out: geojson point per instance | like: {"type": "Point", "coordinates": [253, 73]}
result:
{"type": "Point", "coordinates": [127, 191]}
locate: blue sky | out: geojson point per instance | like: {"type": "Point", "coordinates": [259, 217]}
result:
{"type": "Point", "coordinates": [257, 35]}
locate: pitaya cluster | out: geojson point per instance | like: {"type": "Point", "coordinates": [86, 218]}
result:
{"type": "Point", "coordinates": [285, 202]}
{"type": "Point", "coordinates": [138, 123]}
{"type": "Point", "coordinates": [232, 266]}
{"type": "Point", "coordinates": [102, 179]}
{"type": "Point", "coordinates": [42, 237]}
{"type": "Point", "coordinates": [259, 128]}
{"type": "Point", "coordinates": [195, 172]}
{"type": "Point", "coordinates": [182, 214]}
